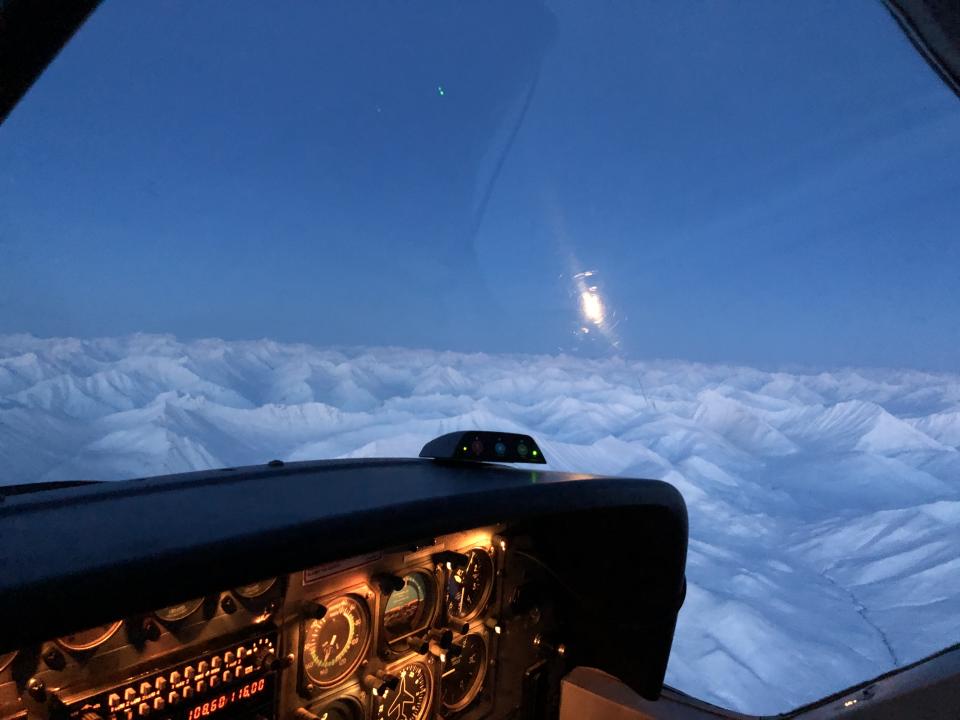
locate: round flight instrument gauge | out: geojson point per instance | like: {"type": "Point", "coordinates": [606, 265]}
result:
{"type": "Point", "coordinates": [334, 645]}
{"type": "Point", "coordinates": [469, 585]}
{"type": "Point", "coordinates": [176, 613]}
{"type": "Point", "coordinates": [6, 659]}
{"type": "Point", "coordinates": [463, 675]}
{"type": "Point", "coordinates": [254, 589]}
{"type": "Point", "coordinates": [342, 709]}
{"type": "Point", "coordinates": [411, 608]}
{"type": "Point", "coordinates": [89, 639]}
{"type": "Point", "coordinates": [412, 698]}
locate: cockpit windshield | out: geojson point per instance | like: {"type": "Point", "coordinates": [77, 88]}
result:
{"type": "Point", "coordinates": [713, 244]}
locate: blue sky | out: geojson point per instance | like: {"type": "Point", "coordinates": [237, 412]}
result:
{"type": "Point", "coordinates": [752, 182]}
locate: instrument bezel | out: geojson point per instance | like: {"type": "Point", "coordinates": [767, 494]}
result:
{"type": "Point", "coordinates": [362, 596]}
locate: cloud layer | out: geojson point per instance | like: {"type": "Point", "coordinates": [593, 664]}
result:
{"type": "Point", "coordinates": [824, 506]}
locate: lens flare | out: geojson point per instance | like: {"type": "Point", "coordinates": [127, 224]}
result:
{"type": "Point", "coordinates": [597, 319]}
{"type": "Point", "coordinates": [592, 306]}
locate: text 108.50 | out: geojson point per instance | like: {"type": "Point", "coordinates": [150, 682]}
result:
{"type": "Point", "coordinates": [227, 699]}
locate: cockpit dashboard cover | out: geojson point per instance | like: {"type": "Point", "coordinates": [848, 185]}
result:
{"type": "Point", "coordinates": [89, 554]}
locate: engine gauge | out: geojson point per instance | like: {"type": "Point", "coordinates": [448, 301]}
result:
{"type": "Point", "coordinates": [469, 586]}
{"type": "Point", "coordinates": [6, 659]}
{"type": "Point", "coordinates": [334, 645]}
{"type": "Point", "coordinates": [412, 698]}
{"type": "Point", "coordinates": [463, 675]}
{"type": "Point", "coordinates": [176, 613]}
{"type": "Point", "coordinates": [89, 639]}
{"type": "Point", "coordinates": [254, 590]}
{"type": "Point", "coordinates": [411, 608]}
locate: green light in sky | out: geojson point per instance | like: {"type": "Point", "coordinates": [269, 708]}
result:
{"type": "Point", "coordinates": [440, 90]}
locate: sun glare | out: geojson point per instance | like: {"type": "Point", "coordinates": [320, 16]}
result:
{"type": "Point", "coordinates": [592, 306]}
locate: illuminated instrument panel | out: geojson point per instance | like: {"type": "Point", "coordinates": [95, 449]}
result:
{"type": "Point", "coordinates": [402, 634]}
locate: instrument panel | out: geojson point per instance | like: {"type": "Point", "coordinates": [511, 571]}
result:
{"type": "Point", "coordinates": [404, 634]}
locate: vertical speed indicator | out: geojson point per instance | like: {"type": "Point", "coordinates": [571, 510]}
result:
{"type": "Point", "coordinates": [334, 645]}
{"type": "Point", "coordinates": [463, 674]}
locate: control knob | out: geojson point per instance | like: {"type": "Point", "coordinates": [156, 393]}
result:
{"type": "Point", "coordinates": [389, 583]}
{"type": "Point", "coordinates": [381, 683]}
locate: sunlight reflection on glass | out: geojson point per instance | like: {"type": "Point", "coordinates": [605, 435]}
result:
{"type": "Point", "coordinates": [594, 311]}
{"type": "Point", "coordinates": [592, 306]}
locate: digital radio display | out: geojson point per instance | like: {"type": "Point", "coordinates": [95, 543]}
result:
{"type": "Point", "coordinates": [242, 694]}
